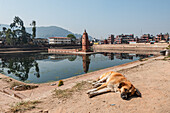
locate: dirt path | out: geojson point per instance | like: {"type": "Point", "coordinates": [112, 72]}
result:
{"type": "Point", "coordinates": [151, 77]}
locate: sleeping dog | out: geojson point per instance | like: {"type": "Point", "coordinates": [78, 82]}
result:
{"type": "Point", "coordinates": [116, 82]}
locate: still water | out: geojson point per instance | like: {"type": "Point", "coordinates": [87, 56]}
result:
{"type": "Point", "coordinates": [44, 67]}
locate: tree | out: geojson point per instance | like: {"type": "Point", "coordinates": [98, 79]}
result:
{"type": "Point", "coordinates": [73, 38]}
{"type": "Point", "coordinates": [33, 29]}
{"type": "Point", "coordinates": [19, 30]}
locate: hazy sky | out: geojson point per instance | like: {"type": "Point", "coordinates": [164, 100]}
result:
{"type": "Point", "coordinates": [99, 17]}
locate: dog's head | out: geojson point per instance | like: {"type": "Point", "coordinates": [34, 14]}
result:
{"type": "Point", "coordinates": [127, 89]}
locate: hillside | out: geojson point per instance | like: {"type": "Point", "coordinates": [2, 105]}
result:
{"type": "Point", "coordinates": [49, 31]}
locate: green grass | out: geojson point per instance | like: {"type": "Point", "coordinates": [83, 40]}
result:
{"type": "Point", "coordinates": [24, 86]}
{"type": "Point", "coordinates": [145, 59]}
{"type": "Point", "coordinates": [23, 106]}
{"type": "Point", "coordinates": [13, 84]}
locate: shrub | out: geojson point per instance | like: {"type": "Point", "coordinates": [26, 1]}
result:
{"type": "Point", "coordinates": [60, 83]}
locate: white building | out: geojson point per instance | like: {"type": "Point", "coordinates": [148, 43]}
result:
{"type": "Point", "coordinates": [59, 40]}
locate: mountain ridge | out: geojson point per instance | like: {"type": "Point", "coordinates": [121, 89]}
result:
{"type": "Point", "coordinates": [48, 31]}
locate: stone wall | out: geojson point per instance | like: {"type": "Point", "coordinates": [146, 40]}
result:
{"type": "Point", "coordinates": [61, 50]}
{"type": "Point", "coordinates": [131, 47]}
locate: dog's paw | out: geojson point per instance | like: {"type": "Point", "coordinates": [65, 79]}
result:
{"type": "Point", "coordinates": [92, 90]}
{"type": "Point", "coordinates": [93, 83]}
{"type": "Point", "coordinates": [88, 92]}
{"type": "Point", "coordinates": [91, 94]}
{"type": "Point", "coordinates": [96, 85]}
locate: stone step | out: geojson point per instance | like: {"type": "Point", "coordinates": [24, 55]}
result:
{"type": "Point", "coordinates": [20, 96]}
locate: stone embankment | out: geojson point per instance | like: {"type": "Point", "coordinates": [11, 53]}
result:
{"type": "Point", "coordinates": [23, 50]}
{"type": "Point", "coordinates": [132, 47]}
{"type": "Point", "coordinates": [50, 50]}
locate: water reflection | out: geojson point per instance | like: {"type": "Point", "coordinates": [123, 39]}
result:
{"type": "Point", "coordinates": [24, 66]}
{"type": "Point", "coordinates": [86, 62]}
{"type": "Point", "coordinates": [122, 56]}
{"type": "Point", "coordinates": [19, 66]}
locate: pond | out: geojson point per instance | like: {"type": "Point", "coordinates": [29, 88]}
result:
{"type": "Point", "coordinates": [44, 67]}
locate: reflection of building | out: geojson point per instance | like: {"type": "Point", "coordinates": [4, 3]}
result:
{"type": "Point", "coordinates": [86, 62]}
{"type": "Point", "coordinates": [62, 57]}
{"type": "Point", "coordinates": [142, 56]}
{"type": "Point", "coordinates": [124, 56]}
{"type": "Point", "coordinates": [111, 56]}
{"type": "Point", "coordinates": [85, 42]}
{"type": "Point", "coordinates": [59, 40]}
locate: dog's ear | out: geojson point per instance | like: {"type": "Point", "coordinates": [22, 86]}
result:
{"type": "Point", "coordinates": [121, 84]}
{"type": "Point", "coordinates": [138, 93]}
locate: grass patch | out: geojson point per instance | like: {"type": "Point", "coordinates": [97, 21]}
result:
{"type": "Point", "coordinates": [20, 86]}
{"type": "Point", "coordinates": [168, 47]}
{"type": "Point", "coordinates": [145, 59]}
{"type": "Point", "coordinates": [7, 79]}
{"type": "Point", "coordinates": [23, 106]}
{"type": "Point", "coordinates": [166, 58]}
{"type": "Point", "coordinates": [67, 93]}
{"type": "Point", "coordinates": [13, 84]}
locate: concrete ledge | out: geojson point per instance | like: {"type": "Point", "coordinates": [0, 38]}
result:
{"type": "Point", "coordinates": [134, 47]}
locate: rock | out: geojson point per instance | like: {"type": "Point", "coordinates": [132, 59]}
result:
{"type": "Point", "coordinates": [53, 84]}
{"type": "Point", "coordinates": [45, 111]}
{"type": "Point", "coordinates": [41, 111]}
{"type": "Point", "coordinates": [112, 104]}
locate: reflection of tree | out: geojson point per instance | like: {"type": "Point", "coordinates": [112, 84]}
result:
{"type": "Point", "coordinates": [20, 66]}
{"type": "Point", "coordinates": [86, 62]}
{"type": "Point", "coordinates": [72, 58]}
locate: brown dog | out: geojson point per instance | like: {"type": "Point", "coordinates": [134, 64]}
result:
{"type": "Point", "coordinates": [116, 82]}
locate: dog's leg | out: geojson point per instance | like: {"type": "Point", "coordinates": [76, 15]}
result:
{"type": "Point", "coordinates": [97, 85]}
{"type": "Point", "coordinates": [100, 87]}
{"type": "Point", "coordinates": [102, 80]}
{"type": "Point", "coordinates": [91, 94]}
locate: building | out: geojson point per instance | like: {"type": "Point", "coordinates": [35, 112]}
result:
{"type": "Point", "coordinates": [164, 37]}
{"type": "Point", "coordinates": [110, 39]}
{"type": "Point", "coordinates": [40, 41]}
{"type": "Point", "coordinates": [105, 41]}
{"type": "Point", "coordinates": [124, 39]}
{"type": "Point", "coordinates": [118, 39]}
{"type": "Point", "coordinates": [85, 42]}
{"type": "Point", "coordinates": [59, 40]}
{"type": "Point", "coordinates": [144, 38]}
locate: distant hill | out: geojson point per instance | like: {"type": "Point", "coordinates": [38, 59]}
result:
{"type": "Point", "coordinates": [50, 31]}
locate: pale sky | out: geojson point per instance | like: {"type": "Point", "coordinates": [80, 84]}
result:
{"type": "Point", "coordinates": [99, 17]}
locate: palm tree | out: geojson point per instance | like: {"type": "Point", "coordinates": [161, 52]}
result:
{"type": "Point", "coordinates": [33, 29]}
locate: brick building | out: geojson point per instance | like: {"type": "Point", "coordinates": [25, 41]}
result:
{"type": "Point", "coordinates": [124, 39]}
{"type": "Point", "coordinates": [144, 38]}
{"type": "Point", "coordinates": [110, 39]}
{"type": "Point", "coordinates": [161, 36]}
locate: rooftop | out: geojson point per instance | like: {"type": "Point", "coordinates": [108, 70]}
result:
{"type": "Point", "coordinates": [60, 37]}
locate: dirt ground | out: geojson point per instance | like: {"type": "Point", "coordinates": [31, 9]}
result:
{"type": "Point", "coordinates": [151, 77]}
